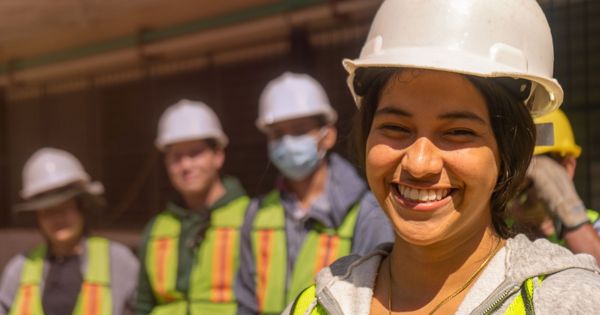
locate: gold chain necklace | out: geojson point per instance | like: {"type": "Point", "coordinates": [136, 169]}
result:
{"type": "Point", "coordinates": [457, 292]}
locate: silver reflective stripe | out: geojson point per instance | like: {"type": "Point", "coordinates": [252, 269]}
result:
{"type": "Point", "coordinates": [545, 134]}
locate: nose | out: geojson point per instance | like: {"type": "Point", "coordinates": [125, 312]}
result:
{"type": "Point", "coordinates": [185, 161]}
{"type": "Point", "coordinates": [422, 159]}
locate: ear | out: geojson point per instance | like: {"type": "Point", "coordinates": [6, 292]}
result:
{"type": "Point", "coordinates": [329, 139]}
{"type": "Point", "coordinates": [219, 158]}
{"type": "Point", "coordinates": [569, 162]}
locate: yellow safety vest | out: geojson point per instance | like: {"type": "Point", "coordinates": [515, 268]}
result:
{"type": "Point", "coordinates": [321, 247]}
{"type": "Point", "coordinates": [214, 267]}
{"type": "Point", "coordinates": [521, 305]}
{"type": "Point", "coordinates": [95, 295]}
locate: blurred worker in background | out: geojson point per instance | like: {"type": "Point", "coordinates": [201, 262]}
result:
{"type": "Point", "coordinates": [190, 250]}
{"type": "Point", "coordinates": [72, 272]}
{"type": "Point", "coordinates": [549, 205]}
{"type": "Point", "coordinates": [320, 208]}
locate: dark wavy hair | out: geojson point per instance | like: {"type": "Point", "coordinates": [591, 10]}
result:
{"type": "Point", "coordinates": [511, 121]}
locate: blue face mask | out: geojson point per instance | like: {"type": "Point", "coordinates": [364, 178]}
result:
{"type": "Point", "coordinates": [295, 156]}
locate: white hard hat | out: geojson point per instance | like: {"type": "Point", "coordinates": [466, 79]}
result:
{"type": "Point", "coordinates": [293, 95]}
{"type": "Point", "coordinates": [189, 120]}
{"type": "Point", "coordinates": [49, 169]}
{"type": "Point", "coordinates": [485, 38]}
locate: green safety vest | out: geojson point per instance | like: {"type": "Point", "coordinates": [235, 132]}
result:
{"type": "Point", "coordinates": [321, 247]}
{"type": "Point", "coordinates": [214, 268]}
{"type": "Point", "coordinates": [521, 305]}
{"type": "Point", "coordinates": [95, 295]}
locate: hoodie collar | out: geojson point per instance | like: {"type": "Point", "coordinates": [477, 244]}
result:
{"type": "Point", "coordinates": [346, 287]}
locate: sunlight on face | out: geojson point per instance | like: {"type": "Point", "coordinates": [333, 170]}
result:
{"type": "Point", "coordinates": [431, 156]}
{"type": "Point", "coordinates": [193, 166]}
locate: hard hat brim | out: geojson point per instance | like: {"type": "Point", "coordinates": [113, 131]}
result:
{"type": "Point", "coordinates": [263, 125]}
{"type": "Point", "coordinates": [549, 96]}
{"type": "Point", "coordinates": [59, 196]}
{"type": "Point", "coordinates": [162, 144]}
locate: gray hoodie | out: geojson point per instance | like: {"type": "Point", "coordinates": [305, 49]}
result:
{"type": "Point", "coordinates": [571, 286]}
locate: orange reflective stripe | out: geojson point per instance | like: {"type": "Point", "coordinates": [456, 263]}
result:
{"type": "Point", "coordinates": [164, 247]}
{"type": "Point", "coordinates": [326, 251]}
{"type": "Point", "coordinates": [222, 278]}
{"type": "Point", "coordinates": [92, 299]}
{"type": "Point", "coordinates": [263, 262]}
{"type": "Point", "coordinates": [94, 296]}
{"type": "Point", "coordinates": [27, 300]}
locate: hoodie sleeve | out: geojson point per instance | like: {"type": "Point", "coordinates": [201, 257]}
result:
{"type": "Point", "coordinates": [572, 291]}
{"type": "Point", "coordinates": [372, 227]}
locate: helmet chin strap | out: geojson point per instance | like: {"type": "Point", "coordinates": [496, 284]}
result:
{"type": "Point", "coordinates": [322, 133]}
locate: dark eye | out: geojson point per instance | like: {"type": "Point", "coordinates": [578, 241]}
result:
{"type": "Point", "coordinates": [461, 132]}
{"type": "Point", "coordinates": [394, 128]}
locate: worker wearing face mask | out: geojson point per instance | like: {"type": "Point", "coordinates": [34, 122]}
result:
{"type": "Point", "coordinates": [319, 210]}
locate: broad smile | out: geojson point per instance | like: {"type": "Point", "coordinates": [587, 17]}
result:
{"type": "Point", "coordinates": [421, 199]}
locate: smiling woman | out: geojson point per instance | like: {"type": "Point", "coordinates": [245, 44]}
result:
{"type": "Point", "coordinates": [511, 127]}
{"type": "Point", "coordinates": [444, 133]}
{"type": "Point", "coordinates": [423, 144]}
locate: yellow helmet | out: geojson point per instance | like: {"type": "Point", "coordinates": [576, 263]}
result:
{"type": "Point", "coordinates": [564, 141]}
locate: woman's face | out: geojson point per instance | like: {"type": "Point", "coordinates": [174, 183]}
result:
{"type": "Point", "coordinates": [431, 156]}
{"type": "Point", "coordinates": [61, 224]}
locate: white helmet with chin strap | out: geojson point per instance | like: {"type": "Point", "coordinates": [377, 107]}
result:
{"type": "Point", "coordinates": [189, 120]}
{"type": "Point", "coordinates": [49, 169]}
{"type": "Point", "coordinates": [290, 96]}
{"type": "Point", "coordinates": [485, 38]}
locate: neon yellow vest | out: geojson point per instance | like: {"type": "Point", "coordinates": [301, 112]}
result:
{"type": "Point", "coordinates": [214, 267]}
{"type": "Point", "coordinates": [95, 295]}
{"type": "Point", "coordinates": [521, 305]}
{"type": "Point", "coordinates": [321, 247]}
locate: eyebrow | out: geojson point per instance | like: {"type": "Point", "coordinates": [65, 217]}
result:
{"type": "Point", "coordinates": [392, 111]}
{"type": "Point", "coordinates": [447, 116]}
{"type": "Point", "coordinates": [463, 115]}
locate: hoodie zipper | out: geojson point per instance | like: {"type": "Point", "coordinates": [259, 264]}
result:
{"type": "Point", "coordinates": [501, 299]}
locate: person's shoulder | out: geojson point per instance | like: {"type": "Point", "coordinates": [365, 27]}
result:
{"type": "Point", "coordinates": [14, 264]}
{"type": "Point", "coordinates": [542, 257]}
{"type": "Point", "coordinates": [349, 280]}
{"type": "Point", "coordinates": [255, 204]}
{"type": "Point", "coordinates": [150, 224]}
{"type": "Point", "coordinates": [120, 248]}
{"type": "Point", "coordinates": [369, 207]}
{"type": "Point", "coordinates": [569, 291]}
{"type": "Point", "coordinates": [124, 264]}
{"type": "Point", "coordinates": [11, 274]}
{"type": "Point", "coordinates": [357, 269]}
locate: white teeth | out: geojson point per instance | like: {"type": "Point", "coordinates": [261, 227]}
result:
{"type": "Point", "coordinates": [422, 195]}
{"type": "Point", "coordinates": [412, 194]}
{"type": "Point", "coordinates": [432, 195]}
{"type": "Point", "coordinates": [438, 194]}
